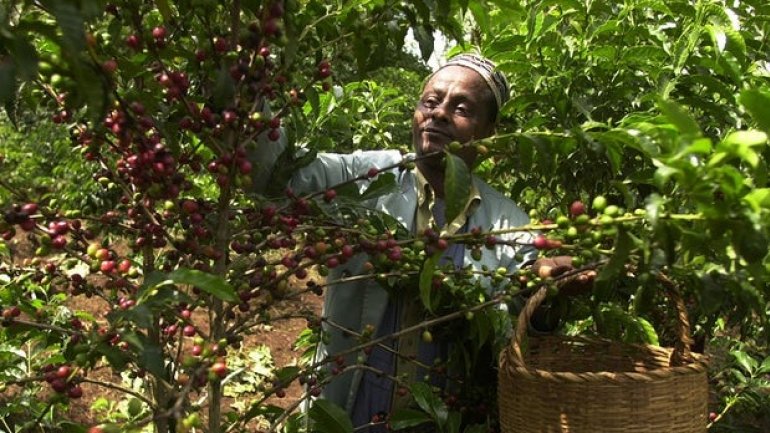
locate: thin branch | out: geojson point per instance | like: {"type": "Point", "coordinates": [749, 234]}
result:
{"type": "Point", "coordinates": [130, 391]}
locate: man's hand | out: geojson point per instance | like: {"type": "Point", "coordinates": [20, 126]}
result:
{"type": "Point", "coordinates": [573, 285]}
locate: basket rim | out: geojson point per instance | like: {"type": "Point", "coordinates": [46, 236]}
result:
{"type": "Point", "coordinates": [697, 364]}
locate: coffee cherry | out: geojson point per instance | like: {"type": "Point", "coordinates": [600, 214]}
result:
{"type": "Point", "coordinates": [64, 372]}
{"type": "Point", "coordinates": [540, 242]}
{"type": "Point", "coordinates": [159, 32]}
{"type": "Point", "coordinates": [426, 336]}
{"type": "Point", "coordinates": [110, 66]}
{"type": "Point", "coordinates": [577, 208]}
{"type": "Point", "coordinates": [220, 44]}
{"type": "Point", "coordinates": [219, 369]}
{"type": "Point", "coordinates": [133, 42]}
{"type": "Point", "coordinates": [107, 266]}
{"type": "Point", "coordinates": [75, 392]}
{"type": "Point", "coordinates": [330, 195]}
{"type": "Point", "coordinates": [29, 208]}
{"type": "Point", "coordinates": [599, 203]}
{"type": "Point", "coordinates": [188, 331]}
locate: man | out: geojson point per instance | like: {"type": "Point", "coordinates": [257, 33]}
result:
{"type": "Point", "coordinates": [459, 103]}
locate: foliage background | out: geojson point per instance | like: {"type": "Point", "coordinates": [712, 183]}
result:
{"type": "Point", "coordinates": [641, 101]}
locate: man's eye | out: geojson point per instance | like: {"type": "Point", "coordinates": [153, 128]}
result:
{"type": "Point", "coordinates": [430, 102]}
{"type": "Point", "coordinates": [461, 109]}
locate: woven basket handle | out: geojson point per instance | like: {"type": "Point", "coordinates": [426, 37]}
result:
{"type": "Point", "coordinates": [680, 355]}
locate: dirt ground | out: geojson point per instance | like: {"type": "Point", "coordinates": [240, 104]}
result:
{"type": "Point", "coordinates": [279, 338]}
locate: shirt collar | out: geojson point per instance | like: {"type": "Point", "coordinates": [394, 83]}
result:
{"type": "Point", "coordinates": [426, 199]}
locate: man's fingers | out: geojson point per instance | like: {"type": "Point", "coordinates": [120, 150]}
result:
{"type": "Point", "coordinates": [587, 276]}
{"type": "Point", "coordinates": [544, 271]}
{"type": "Point", "coordinates": [560, 269]}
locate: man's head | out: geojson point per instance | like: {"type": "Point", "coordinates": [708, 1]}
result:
{"type": "Point", "coordinates": [459, 102]}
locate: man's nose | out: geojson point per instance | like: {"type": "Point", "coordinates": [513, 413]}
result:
{"type": "Point", "coordinates": [440, 112]}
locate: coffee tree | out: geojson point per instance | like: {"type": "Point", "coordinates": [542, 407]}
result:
{"type": "Point", "coordinates": [170, 106]}
{"type": "Point", "coordinates": [164, 101]}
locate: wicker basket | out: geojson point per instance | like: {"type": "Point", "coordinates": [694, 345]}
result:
{"type": "Point", "coordinates": [587, 385]}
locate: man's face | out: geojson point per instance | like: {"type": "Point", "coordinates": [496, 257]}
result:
{"type": "Point", "coordinates": [455, 106]}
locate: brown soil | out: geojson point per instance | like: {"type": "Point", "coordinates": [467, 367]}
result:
{"type": "Point", "coordinates": [279, 338]}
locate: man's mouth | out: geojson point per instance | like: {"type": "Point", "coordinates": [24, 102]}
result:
{"type": "Point", "coordinates": [436, 132]}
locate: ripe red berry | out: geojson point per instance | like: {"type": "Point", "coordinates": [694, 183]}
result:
{"type": "Point", "coordinates": [540, 242]}
{"type": "Point", "coordinates": [577, 208]}
{"type": "Point", "coordinates": [372, 172]}
{"type": "Point", "coordinates": [64, 371]}
{"type": "Point", "coordinates": [124, 266]}
{"type": "Point", "coordinates": [219, 369]}
{"type": "Point", "coordinates": [264, 51]}
{"type": "Point", "coordinates": [59, 242]}
{"type": "Point", "coordinates": [11, 312]}
{"type": "Point", "coordinates": [274, 134]}
{"type": "Point", "coordinates": [107, 266]}
{"type": "Point", "coordinates": [442, 244]}
{"type": "Point", "coordinates": [59, 385]}
{"type": "Point", "coordinates": [330, 195]}
{"type": "Point", "coordinates": [159, 32]}
{"type": "Point", "coordinates": [27, 225]}
{"type": "Point", "coordinates": [133, 41]}
{"type": "Point", "coordinates": [109, 66]}
{"type": "Point", "coordinates": [220, 44]}
{"type": "Point", "coordinates": [75, 392]}
{"type": "Point", "coordinates": [29, 208]}
{"type": "Point", "coordinates": [188, 331]}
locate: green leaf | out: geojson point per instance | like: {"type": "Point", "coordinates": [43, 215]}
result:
{"type": "Point", "coordinates": [424, 36]}
{"type": "Point", "coordinates": [454, 420]}
{"type": "Point", "coordinates": [212, 284]}
{"type": "Point", "coordinates": [134, 407]}
{"type": "Point", "coordinates": [745, 138]}
{"type": "Point", "coordinates": [745, 361]}
{"type": "Point", "coordinates": [25, 57]}
{"type": "Point", "coordinates": [643, 331]}
{"type": "Point", "coordinates": [457, 186]}
{"type": "Point", "coordinates": [757, 103]}
{"type": "Point", "coordinates": [164, 9]}
{"type": "Point", "coordinates": [765, 367]}
{"type": "Point", "coordinates": [385, 183]}
{"type": "Point", "coordinates": [426, 280]}
{"type": "Point", "coordinates": [150, 354]}
{"type": "Point", "coordinates": [7, 82]}
{"type": "Point", "coordinates": [313, 100]}
{"type": "Point", "coordinates": [405, 418]}
{"type": "Point", "coordinates": [224, 89]}
{"type": "Point", "coordinates": [679, 117]}
{"type": "Point", "coordinates": [750, 242]}
{"type": "Point", "coordinates": [71, 23]}
{"type": "Point", "coordinates": [428, 401]}
{"type": "Point", "coordinates": [623, 245]}
{"type": "Point", "coordinates": [329, 418]}
{"type": "Point", "coordinates": [758, 198]}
